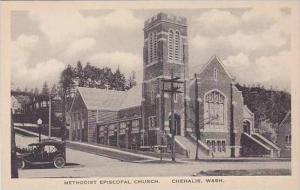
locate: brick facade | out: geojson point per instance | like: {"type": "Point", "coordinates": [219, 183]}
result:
{"type": "Point", "coordinates": [222, 111]}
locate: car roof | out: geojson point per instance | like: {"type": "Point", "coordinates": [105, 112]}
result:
{"type": "Point", "coordinates": [48, 142]}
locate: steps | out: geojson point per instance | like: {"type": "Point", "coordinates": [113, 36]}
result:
{"type": "Point", "coordinates": [190, 146]}
{"type": "Point", "coordinates": [275, 149]}
{"type": "Point", "coordinates": [271, 148]}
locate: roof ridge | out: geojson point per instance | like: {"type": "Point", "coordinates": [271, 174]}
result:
{"type": "Point", "coordinates": [214, 56]}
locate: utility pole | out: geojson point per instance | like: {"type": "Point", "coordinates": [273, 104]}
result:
{"type": "Point", "coordinates": [172, 91]}
{"type": "Point", "coordinates": [196, 116]}
{"type": "Point", "coordinates": [49, 134]}
{"type": "Point", "coordinates": [232, 135]}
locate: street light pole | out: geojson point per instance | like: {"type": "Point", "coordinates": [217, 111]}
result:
{"type": "Point", "coordinates": [39, 122]}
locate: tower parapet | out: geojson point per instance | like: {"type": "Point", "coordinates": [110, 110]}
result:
{"type": "Point", "coordinates": [165, 18]}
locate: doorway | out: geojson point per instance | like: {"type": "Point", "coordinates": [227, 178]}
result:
{"type": "Point", "coordinates": [246, 127]}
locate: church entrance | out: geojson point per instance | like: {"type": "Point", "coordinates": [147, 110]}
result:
{"type": "Point", "coordinates": [176, 124]}
{"type": "Point", "coordinates": [246, 127]}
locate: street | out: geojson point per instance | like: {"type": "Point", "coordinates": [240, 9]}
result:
{"type": "Point", "coordinates": [81, 164]}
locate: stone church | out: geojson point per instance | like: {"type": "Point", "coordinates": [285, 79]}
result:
{"type": "Point", "coordinates": [140, 117]}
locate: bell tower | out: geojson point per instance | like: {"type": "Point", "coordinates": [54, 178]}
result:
{"type": "Point", "coordinates": [165, 53]}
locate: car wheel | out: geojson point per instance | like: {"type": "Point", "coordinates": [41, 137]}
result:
{"type": "Point", "coordinates": [59, 162]}
{"type": "Point", "coordinates": [21, 164]}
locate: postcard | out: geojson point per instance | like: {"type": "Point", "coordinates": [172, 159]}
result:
{"type": "Point", "coordinates": [150, 94]}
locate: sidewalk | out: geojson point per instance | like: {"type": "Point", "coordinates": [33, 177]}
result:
{"type": "Point", "coordinates": [244, 159]}
{"type": "Point", "coordinates": [114, 153]}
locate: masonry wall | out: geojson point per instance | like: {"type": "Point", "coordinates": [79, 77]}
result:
{"type": "Point", "coordinates": [206, 84]}
{"type": "Point", "coordinates": [284, 131]}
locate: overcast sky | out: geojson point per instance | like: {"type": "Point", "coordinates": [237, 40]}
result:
{"type": "Point", "coordinates": [253, 44]}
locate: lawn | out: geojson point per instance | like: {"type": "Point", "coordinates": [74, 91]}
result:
{"type": "Point", "coordinates": [258, 172]}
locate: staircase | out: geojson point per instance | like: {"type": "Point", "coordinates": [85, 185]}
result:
{"type": "Point", "coordinates": [269, 147]}
{"type": "Point", "coordinates": [188, 144]}
{"type": "Point", "coordinates": [274, 149]}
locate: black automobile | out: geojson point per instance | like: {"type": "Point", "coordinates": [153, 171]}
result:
{"type": "Point", "coordinates": [45, 152]}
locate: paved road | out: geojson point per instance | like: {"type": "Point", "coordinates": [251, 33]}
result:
{"type": "Point", "coordinates": [81, 164]}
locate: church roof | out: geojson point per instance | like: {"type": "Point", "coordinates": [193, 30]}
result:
{"type": "Point", "coordinates": [102, 99]}
{"type": "Point", "coordinates": [286, 120]}
{"type": "Point", "coordinates": [215, 59]}
{"type": "Point", "coordinates": [247, 113]}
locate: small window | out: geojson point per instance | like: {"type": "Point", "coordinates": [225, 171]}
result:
{"type": "Point", "coordinates": [288, 139]}
{"type": "Point", "coordinates": [50, 149]}
{"type": "Point", "coordinates": [223, 146]}
{"type": "Point", "coordinates": [175, 97]}
{"type": "Point", "coordinates": [219, 146]}
{"type": "Point", "coordinates": [152, 97]}
{"type": "Point", "coordinates": [152, 122]}
{"type": "Point", "coordinates": [215, 74]}
{"type": "Point", "coordinates": [213, 146]}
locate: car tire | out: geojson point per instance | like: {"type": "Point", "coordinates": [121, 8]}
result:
{"type": "Point", "coordinates": [59, 162]}
{"type": "Point", "coordinates": [21, 164]}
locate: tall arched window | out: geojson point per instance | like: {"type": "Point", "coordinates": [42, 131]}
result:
{"type": "Point", "coordinates": [177, 47]}
{"type": "Point", "coordinates": [214, 108]}
{"type": "Point", "coordinates": [171, 45]}
{"type": "Point", "coordinates": [152, 47]}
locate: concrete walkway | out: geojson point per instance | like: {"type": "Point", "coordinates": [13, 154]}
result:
{"type": "Point", "coordinates": [109, 152]}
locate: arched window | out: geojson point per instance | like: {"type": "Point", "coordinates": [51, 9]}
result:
{"type": "Point", "coordinates": [171, 45]}
{"type": "Point", "coordinates": [152, 47]}
{"type": "Point", "coordinates": [214, 108]}
{"type": "Point", "coordinates": [177, 47]}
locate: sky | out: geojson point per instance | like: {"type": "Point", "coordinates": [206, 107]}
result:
{"type": "Point", "coordinates": [252, 43]}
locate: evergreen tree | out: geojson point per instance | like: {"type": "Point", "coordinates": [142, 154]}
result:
{"type": "Point", "coordinates": [45, 89]}
{"type": "Point", "coordinates": [66, 81]}
{"type": "Point", "coordinates": [131, 81]}
{"type": "Point", "coordinates": [36, 91]}
{"type": "Point", "coordinates": [80, 74]}
{"type": "Point", "coordinates": [54, 90]}
{"type": "Point", "coordinates": [118, 80]}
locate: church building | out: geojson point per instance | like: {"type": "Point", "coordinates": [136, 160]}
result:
{"type": "Point", "coordinates": [141, 116]}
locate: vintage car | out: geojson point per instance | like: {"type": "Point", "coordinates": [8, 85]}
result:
{"type": "Point", "coordinates": [45, 152]}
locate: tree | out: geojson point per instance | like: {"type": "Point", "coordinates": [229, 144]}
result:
{"type": "Point", "coordinates": [118, 80]}
{"type": "Point", "coordinates": [66, 83]}
{"type": "Point", "coordinates": [36, 91]}
{"type": "Point", "coordinates": [80, 74]}
{"type": "Point", "coordinates": [131, 81]}
{"type": "Point", "coordinates": [31, 91]}
{"type": "Point", "coordinates": [45, 89]}
{"type": "Point", "coordinates": [267, 130]}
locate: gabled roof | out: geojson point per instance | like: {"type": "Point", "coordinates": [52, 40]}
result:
{"type": "Point", "coordinates": [102, 99]}
{"type": "Point", "coordinates": [286, 119]}
{"type": "Point", "coordinates": [247, 113]}
{"type": "Point", "coordinates": [133, 97]}
{"type": "Point", "coordinates": [215, 59]}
